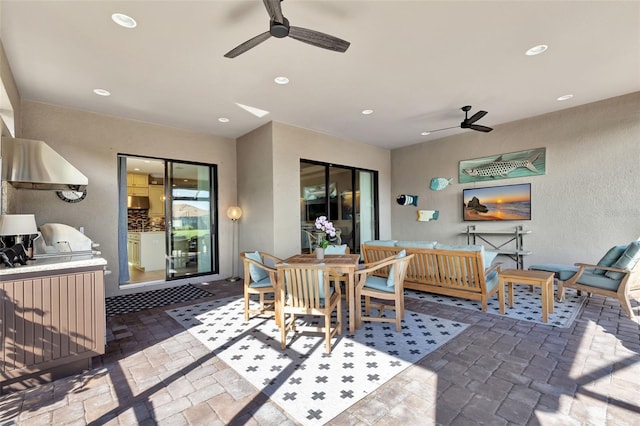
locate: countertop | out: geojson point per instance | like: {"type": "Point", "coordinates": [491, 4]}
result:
{"type": "Point", "coordinates": [53, 264]}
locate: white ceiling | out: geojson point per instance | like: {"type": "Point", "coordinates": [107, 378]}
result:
{"type": "Point", "coordinates": [415, 63]}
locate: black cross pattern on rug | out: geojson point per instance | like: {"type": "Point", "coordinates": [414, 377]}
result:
{"type": "Point", "coordinates": [311, 385]}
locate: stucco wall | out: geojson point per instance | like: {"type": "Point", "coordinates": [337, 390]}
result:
{"type": "Point", "coordinates": [585, 203]}
{"type": "Point", "coordinates": [269, 182]}
{"type": "Point", "coordinates": [291, 144]}
{"type": "Point", "coordinates": [255, 190]}
{"type": "Point", "coordinates": [91, 142]}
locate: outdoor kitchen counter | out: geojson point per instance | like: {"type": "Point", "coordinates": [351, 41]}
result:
{"type": "Point", "coordinates": [49, 264]}
{"type": "Point", "coordinates": [53, 322]}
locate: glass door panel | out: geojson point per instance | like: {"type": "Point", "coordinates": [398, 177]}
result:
{"type": "Point", "coordinates": [190, 211]}
{"type": "Point", "coordinates": [346, 195]}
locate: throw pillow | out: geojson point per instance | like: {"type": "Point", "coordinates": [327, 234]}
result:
{"type": "Point", "coordinates": [333, 249]}
{"type": "Point", "coordinates": [256, 272]}
{"type": "Point", "coordinates": [628, 260]}
{"type": "Point", "coordinates": [610, 258]}
{"type": "Point", "coordinates": [390, 281]}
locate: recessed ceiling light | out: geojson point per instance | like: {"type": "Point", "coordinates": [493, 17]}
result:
{"type": "Point", "coordinates": [137, 169]}
{"type": "Point", "coordinates": [425, 133]}
{"type": "Point", "coordinates": [564, 97]}
{"type": "Point", "coordinates": [367, 111]}
{"type": "Point", "coordinates": [124, 20]}
{"type": "Point", "coordinates": [536, 50]}
{"type": "Point", "coordinates": [281, 80]}
{"type": "Point", "coordinates": [223, 120]}
{"type": "Point", "coordinates": [101, 92]}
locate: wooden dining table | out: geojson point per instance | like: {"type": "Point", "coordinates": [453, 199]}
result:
{"type": "Point", "coordinates": [342, 263]}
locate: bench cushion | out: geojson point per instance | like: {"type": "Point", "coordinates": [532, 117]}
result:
{"type": "Point", "coordinates": [386, 243]}
{"type": "Point", "coordinates": [416, 244]}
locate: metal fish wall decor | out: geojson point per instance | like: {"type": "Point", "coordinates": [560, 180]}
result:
{"type": "Point", "coordinates": [428, 215]}
{"type": "Point", "coordinates": [407, 200]}
{"type": "Point", "coordinates": [439, 183]}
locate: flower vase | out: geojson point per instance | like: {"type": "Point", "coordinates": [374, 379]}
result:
{"type": "Point", "coordinates": [319, 253]}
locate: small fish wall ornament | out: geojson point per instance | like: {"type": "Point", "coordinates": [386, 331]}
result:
{"type": "Point", "coordinates": [428, 215]}
{"type": "Point", "coordinates": [407, 200]}
{"type": "Point", "coordinates": [439, 183]}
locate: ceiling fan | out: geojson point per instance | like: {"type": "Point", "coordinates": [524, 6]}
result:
{"type": "Point", "coordinates": [469, 122]}
{"type": "Point", "coordinates": [279, 27]}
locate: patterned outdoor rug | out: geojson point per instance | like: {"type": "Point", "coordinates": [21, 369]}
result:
{"type": "Point", "coordinates": [309, 384]}
{"type": "Point", "coordinates": [527, 305]}
{"type": "Point", "coordinates": [120, 305]}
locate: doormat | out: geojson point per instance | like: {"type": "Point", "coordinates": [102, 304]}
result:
{"type": "Point", "coordinates": [309, 384]}
{"type": "Point", "coordinates": [527, 305]}
{"type": "Point", "coordinates": [125, 304]}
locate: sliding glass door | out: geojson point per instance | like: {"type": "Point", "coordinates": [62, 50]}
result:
{"type": "Point", "coordinates": [191, 219]}
{"type": "Point", "coordinates": [345, 195]}
{"type": "Point", "coordinates": [170, 219]}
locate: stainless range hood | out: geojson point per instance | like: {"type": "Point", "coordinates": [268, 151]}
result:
{"type": "Point", "coordinates": [31, 164]}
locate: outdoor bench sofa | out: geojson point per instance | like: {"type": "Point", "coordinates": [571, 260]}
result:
{"type": "Point", "coordinates": [459, 271]}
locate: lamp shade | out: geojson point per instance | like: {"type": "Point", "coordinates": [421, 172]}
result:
{"type": "Point", "coordinates": [234, 212]}
{"type": "Point", "coordinates": [18, 224]}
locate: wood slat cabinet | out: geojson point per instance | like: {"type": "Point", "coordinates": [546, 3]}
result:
{"type": "Point", "coordinates": [50, 325]}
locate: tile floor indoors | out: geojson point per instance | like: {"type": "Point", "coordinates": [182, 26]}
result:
{"type": "Point", "coordinates": [497, 372]}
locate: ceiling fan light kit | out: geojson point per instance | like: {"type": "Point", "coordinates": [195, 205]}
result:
{"type": "Point", "coordinates": [279, 27]}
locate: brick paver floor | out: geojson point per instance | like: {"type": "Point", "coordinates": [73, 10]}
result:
{"type": "Point", "coordinates": [497, 372]}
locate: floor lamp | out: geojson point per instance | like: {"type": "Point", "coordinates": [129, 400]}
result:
{"type": "Point", "coordinates": [234, 213]}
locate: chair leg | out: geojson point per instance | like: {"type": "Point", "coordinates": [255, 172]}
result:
{"type": "Point", "coordinates": [626, 306]}
{"type": "Point", "coordinates": [560, 291]}
{"type": "Point", "coordinates": [327, 332]}
{"type": "Point", "coordinates": [246, 306]}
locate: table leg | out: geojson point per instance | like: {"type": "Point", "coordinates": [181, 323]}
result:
{"type": "Point", "coordinates": [501, 294]}
{"type": "Point", "coordinates": [545, 300]}
{"type": "Point", "coordinates": [510, 283]}
{"type": "Point", "coordinates": [551, 295]}
{"type": "Point", "coordinates": [351, 289]}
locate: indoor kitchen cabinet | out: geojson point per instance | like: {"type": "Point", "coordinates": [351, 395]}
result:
{"type": "Point", "coordinates": [156, 200]}
{"type": "Point", "coordinates": [138, 184]}
{"type": "Point", "coordinates": [147, 250]}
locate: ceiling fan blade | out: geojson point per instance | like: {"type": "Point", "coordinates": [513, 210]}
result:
{"type": "Point", "coordinates": [319, 39]}
{"type": "Point", "coordinates": [249, 44]}
{"type": "Point", "coordinates": [475, 117]}
{"type": "Point", "coordinates": [274, 8]}
{"type": "Point", "coordinates": [477, 127]}
{"type": "Point", "coordinates": [445, 128]}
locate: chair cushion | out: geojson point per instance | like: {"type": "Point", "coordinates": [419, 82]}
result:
{"type": "Point", "coordinates": [491, 280]}
{"type": "Point", "coordinates": [610, 258]}
{"type": "Point", "coordinates": [390, 279]}
{"type": "Point", "coordinates": [257, 273]}
{"type": "Point", "coordinates": [417, 244]}
{"type": "Point", "coordinates": [265, 282]}
{"type": "Point", "coordinates": [386, 243]}
{"type": "Point", "coordinates": [487, 257]}
{"type": "Point", "coordinates": [378, 283]}
{"type": "Point", "coordinates": [333, 249]}
{"type": "Point", "coordinates": [628, 260]}
{"type": "Point", "coordinates": [599, 281]}
{"type": "Point", "coordinates": [563, 272]}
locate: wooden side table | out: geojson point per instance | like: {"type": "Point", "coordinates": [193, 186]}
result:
{"type": "Point", "coordinates": [540, 278]}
